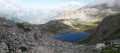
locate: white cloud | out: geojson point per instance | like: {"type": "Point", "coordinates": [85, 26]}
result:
{"type": "Point", "coordinates": [20, 14]}
{"type": "Point", "coordinates": [71, 5]}
{"type": "Point", "coordinates": [35, 21]}
{"type": "Point", "coordinates": [9, 5]}
{"type": "Point", "coordinates": [108, 2]}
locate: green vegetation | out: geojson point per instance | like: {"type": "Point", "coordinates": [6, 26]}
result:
{"type": "Point", "coordinates": [115, 33]}
{"type": "Point", "coordinates": [117, 37]}
{"type": "Point", "coordinates": [24, 28]}
{"type": "Point", "coordinates": [86, 40]}
{"type": "Point", "coordinates": [85, 26]}
{"type": "Point", "coordinates": [97, 22]}
{"type": "Point", "coordinates": [112, 38]}
{"type": "Point", "coordinates": [78, 24]}
{"type": "Point", "coordinates": [104, 32]}
{"type": "Point", "coordinates": [10, 48]}
{"type": "Point", "coordinates": [8, 45]}
{"type": "Point", "coordinates": [23, 48]}
{"type": "Point", "coordinates": [111, 49]}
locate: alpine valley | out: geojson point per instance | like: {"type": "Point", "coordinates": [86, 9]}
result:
{"type": "Point", "coordinates": [100, 20]}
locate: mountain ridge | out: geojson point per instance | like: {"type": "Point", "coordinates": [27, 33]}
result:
{"type": "Point", "coordinates": [93, 10]}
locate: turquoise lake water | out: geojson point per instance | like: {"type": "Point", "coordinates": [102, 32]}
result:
{"type": "Point", "coordinates": [72, 37]}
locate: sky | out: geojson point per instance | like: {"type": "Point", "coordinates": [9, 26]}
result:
{"type": "Point", "coordinates": [50, 3]}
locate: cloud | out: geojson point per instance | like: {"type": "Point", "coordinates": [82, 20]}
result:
{"type": "Point", "coordinates": [20, 14]}
{"type": "Point", "coordinates": [18, 10]}
{"type": "Point", "coordinates": [108, 2]}
{"type": "Point", "coordinates": [9, 5]}
{"type": "Point", "coordinates": [72, 5]}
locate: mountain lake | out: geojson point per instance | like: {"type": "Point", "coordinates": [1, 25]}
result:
{"type": "Point", "coordinates": [72, 37]}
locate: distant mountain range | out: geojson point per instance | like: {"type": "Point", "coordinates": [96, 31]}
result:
{"type": "Point", "coordinates": [87, 19]}
{"type": "Point", "coordinates": [34, 17]}
{"type": "Point", "coordinates": [93, 10]}
{"type": "Point", "coordinates": [10, 19]}
{"type": "Point", "coordinates": [96, 10]}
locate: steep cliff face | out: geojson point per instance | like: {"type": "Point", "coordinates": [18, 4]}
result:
{"type": "Point", "coordinates": [109, 29]}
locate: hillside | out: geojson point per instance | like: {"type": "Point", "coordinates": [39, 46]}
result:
{"type": "Point", "coordinates": [56, 27]}
{"type": "Point", "coordinates": [109, 29]}
{"type": "Point", "coordinates": [29, 38]}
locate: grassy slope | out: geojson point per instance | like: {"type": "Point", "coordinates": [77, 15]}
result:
{"type": "Point", "coordinates": [85, 27]}
{"type": "Point", "coordinates": [111, 49]}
